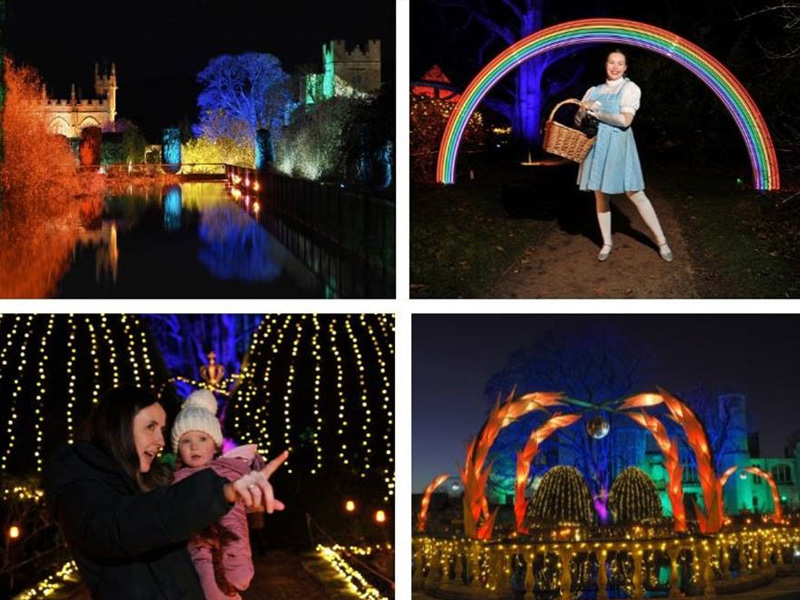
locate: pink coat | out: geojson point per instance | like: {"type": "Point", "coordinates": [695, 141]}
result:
{"type": "Point", "coordinates": [221, 553]}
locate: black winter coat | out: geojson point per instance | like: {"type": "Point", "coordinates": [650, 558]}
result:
{"type": "Point", "coordinates": [128, 544]}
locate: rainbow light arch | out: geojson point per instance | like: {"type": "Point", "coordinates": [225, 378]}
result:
{"type": "Point", "coordinates": [716, 76]}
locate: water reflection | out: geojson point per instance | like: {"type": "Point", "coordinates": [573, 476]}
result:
{"type": "Point", "coordinates": [173, 205]}
{"type": "Point", "coordinates": [179, 241]}
{"type": "Point", "coordinates": [104, 242]}
{"type": "Point", "coordinates": [236, 247]}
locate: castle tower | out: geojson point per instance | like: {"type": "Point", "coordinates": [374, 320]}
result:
{"type": "Point", "coordinates": [357, 70]}
{"type": "Point", "coordinates": [106, 85]}
{"type": "Point", "coordinates": [69, 116]}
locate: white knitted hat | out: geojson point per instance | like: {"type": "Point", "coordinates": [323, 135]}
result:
{"type": "Point", "coordinates": [198, 413]}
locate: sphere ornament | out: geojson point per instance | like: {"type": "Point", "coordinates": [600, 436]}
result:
{"type": "Point", "coordinates": [598, 427]}
{"type": "Point", "coordinates": [562, 498]}
{"type": "Point", "coordinates": [633, 498]}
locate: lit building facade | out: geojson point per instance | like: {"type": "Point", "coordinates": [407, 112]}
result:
{"type": "Point", "coordinates": [68, 117]}
{"type": "Point", "coordinates": [346, 73]}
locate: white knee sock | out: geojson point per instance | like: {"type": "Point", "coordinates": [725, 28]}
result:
{"type": "Point", "coordinates": [603, 206]}
{"type": "Point", "coordinates": [645, 208]}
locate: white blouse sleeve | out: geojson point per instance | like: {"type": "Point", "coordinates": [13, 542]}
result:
{"type": "Point", "coordinates": [631, 97]}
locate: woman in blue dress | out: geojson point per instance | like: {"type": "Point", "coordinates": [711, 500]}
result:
{"type": "Point", "coordinates": [612, 165]}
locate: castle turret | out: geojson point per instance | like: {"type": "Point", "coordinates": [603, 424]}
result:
{"type": "Point", "coordinates": [733, 416]}
{"type": "Point", "coordinates": [358, 69]}
{"type": "Point", "coordinates": [106, 85]}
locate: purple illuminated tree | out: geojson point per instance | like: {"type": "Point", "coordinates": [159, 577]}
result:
{"type": "Point", "coordinates": [522, 95]}
{"type": "Point", "coordinates": [242, 93]}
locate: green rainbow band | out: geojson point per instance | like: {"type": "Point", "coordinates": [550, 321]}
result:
{"type": "Point", "coordinates": [719, 79]}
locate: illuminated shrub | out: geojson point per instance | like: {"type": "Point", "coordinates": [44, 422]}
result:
{"type": "Point", "coordinates": [112, 149]}
{"type": "Point", "coordinates": [561, 499]}
{"type": "Point", "coordinates": [91, 140]}
{"type": "Point", "coordinates": [172, 150]}
{"type": "Point", "coordinates": [633, 497]}
{"type": "Point", "coordinates": [427, 122]}
{"type": "Point", "coordinates": [205, 151]}
{"type": "Point", "coordinates": [38, 213]}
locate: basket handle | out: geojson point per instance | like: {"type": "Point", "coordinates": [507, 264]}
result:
{"type": "Point", "coordinates": [562, 103]}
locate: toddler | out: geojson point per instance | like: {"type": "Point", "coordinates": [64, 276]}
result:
{"type": "Point", "coordinates": [221, 554]}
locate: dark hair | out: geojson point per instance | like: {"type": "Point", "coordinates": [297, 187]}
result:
{"type": "Point", "coordinates": [618, 51]}
{"type": "Point", "coordinates": [110, 427]}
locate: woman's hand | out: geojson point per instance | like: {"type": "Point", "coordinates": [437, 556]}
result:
{"type": "Point", "coordinates": [591, 105]}
{"type": "Point", "coordinates": [254, 489]}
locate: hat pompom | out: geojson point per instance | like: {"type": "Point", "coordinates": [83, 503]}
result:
{"type": "Point", "coordinates": [202, 399]}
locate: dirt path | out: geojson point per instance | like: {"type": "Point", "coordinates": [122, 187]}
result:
{"type": "Point", "coordinates": [565, 264]}
{"type": "Point", "coordinates": [280, 575]}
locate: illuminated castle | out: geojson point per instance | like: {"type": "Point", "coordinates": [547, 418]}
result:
{"type": "Point", "coordinates": [69, 117]}
{"type": "Point", "coordinates": [353, 73]}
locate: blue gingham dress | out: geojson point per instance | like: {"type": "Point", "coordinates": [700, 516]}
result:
{"type": "Point", "coordinates": [612, 165]}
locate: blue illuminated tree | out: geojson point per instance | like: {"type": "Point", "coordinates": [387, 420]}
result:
{"type": "Point", "coordinates": [185, 341]}
{"type": "Point", "coordinates": [242, 93]}
{"type": "Point", "coordinates": [595, 365]}
{"type": "Point", "coordinates": [507, 22]}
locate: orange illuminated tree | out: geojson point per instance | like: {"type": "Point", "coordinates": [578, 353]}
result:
{"type": "Point", "coordinates": [39, 214]}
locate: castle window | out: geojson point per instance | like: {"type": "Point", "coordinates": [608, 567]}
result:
{"type": "Point", "coordinates": [782, 474]}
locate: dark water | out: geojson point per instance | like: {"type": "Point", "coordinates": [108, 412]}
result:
{"type": "Point", "coordinates": [194, 240]}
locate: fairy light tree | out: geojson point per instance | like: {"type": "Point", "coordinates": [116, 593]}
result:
{"type": "Point", "coordinates": [633, 498]}
{"type": "Point", "coordinates": [561, 499]}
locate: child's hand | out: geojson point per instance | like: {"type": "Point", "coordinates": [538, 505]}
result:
{"type": "Point", "coordinates": [255, 490]}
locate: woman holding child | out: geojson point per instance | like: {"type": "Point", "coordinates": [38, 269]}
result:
{"type": "Point", "coordinates": [126, 526]}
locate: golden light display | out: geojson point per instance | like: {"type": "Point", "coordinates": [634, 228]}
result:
{"type": "Point", "coordinates": [422, 516]}
{"type": "Point", "coordinates": [355, 580]}
{"type": "Point", "coordinates": [321, 385]}
{"type": "Point", "coordinates": [466, 567]}
{"type": "Point", "coordinates": [350, 506]}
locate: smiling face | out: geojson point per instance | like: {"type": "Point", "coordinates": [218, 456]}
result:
{"type": "Point", "coordinates": [196, 448]}
{"type": "Point", "coordinates": [616, 65]}
{"type": "Point", "coordinates": [148, 434]}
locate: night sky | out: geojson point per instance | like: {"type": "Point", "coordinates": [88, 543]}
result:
{"type": "Point", "coordinates": [159, 46]}
{"type": "Point", "coordinates": [455, 355]}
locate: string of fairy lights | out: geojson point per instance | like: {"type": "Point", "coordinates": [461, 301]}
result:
{"type": "Point", "coordinates": [362, 385]}
{"type": "Point", "coordinates": [84, 374]}
{"type": "Point", "coordinates": [342, 430]}
{"type": "Point", "coordinates": [320, 385]}
{"type": "Point", "coordinates": [16, 388]}
{"type": "Point", "coordinates": [633, 564]}
{"type": "Point", "coordinates": [41, 390]}
{"type": "Point", "coordinates": [316, 353]}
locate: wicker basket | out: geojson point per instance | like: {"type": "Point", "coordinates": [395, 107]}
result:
{"type": "Point", "coordinates": [566, 141]}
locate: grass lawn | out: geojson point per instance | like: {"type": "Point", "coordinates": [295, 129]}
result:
{"type": "Point", "coordinates": [462, 238]}
{"type": "Point", "coordinates": [743, 244]}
